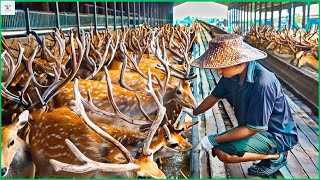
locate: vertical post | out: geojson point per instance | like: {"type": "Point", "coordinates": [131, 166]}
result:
{"type": "Point", "coordinates": [232, 14]}
{"type": "Point", "coordinates": [95, 16]}
{"type": "Point", "coordinates": [121, 14]}
{"type": "Point", "coordinates": [265, 12]}
{"type": "Point", "coordinates": [78, 19]}
{"type": "Point", "coordinates": [308, 14]}
{"type": "Point", "coordinates": [294, 15]}
{"type": "Point", "coordinates": [151, 14]}
{"type": "Point", "coordinates": [304, 15]}
{"type": "Point", "coordinates": [160, 14]}
{"type": "Point", "coordinates": [134, 15]}
{"type": "Point", "coordinates": [248, 16]}
{"type": "Point", "coordinates": [128, 13]}
{"type": "Point", "coordinates": [240, 16]}
{"type": "Point", "coordinates": [251, 9]}
{"type": "Point", "coordinates": [260, 12]}
{"type": "Point", "coordinates": [238, 22]}
{"type": "Point", "coordinates": [57, 15]}
{"type": "Point", "coordinates": [114, 15]}
{"type": "Point", "coordinates": [255, 12]}
{"type": "Point", "coordinates": [144, 13]}
{"type": "Point", "coordinates": [272, 8]}
{"type": "Point", "coordinates": [280, 10]}
{"type": "Point", "coordinates": [148, 13]}
{"type": "Point", "coordinates": [106, 14]}
{"type": "Point", "coordinates": [290, 14]}
{"type": "Point", "coordinates": [243, 16]}
{"type": "Point", "coordinates": [235, 15]}
{"type": "Point", "coordinates": [139, 3]}
{"type": "Point", "coordinates": [27, 16]}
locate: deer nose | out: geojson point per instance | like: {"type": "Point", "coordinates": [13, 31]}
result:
{"type": "Point", "coordinates": [141, 177]}
{"type": "Point", "coordinates": [4, 171]}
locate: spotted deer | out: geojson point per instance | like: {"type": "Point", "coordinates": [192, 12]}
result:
{"type": "Point", "coordinates": [16, 160]}
{"type": "Point", "coordinates": [39, 115]}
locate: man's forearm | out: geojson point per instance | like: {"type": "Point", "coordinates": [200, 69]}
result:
{"type": "Point", "coordinates": [236, 134]}
{"type": "Point", "coordinates": [207, 103]}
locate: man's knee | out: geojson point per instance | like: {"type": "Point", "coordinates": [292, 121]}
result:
{"type": "Point", "coordinates": [224, 157]}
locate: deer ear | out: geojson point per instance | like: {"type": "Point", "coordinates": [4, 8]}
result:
{"type": "Point", "coordinates": [23, 120]}
{"type": "Point", "coordinates": [188, 125]}
{"type": "Point", "coordinates": [14, 116]}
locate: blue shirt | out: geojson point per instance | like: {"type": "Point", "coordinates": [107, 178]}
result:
{"type": "Point", "coordinates": [260, 104]}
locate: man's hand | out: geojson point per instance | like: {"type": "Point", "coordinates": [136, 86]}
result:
{"type": "Point", "coordinates": [205, 144]}
{"type": "Point", "coordinates": [189, 112]}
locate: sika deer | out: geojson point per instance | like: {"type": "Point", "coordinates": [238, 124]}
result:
{"type": "Point", "coordinates": [41, 135]}
{"type": "Point", "coordinates": [16, 161]}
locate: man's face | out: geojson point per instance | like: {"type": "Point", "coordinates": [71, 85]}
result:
{"type": "Point", "coordinates": [231, 71]}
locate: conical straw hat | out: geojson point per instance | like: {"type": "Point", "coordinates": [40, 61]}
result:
{"type": "Point", "coordinates": [227, 50]}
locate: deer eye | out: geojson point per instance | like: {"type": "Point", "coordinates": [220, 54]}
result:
{"type": "Point", "coordinates": [174, 145]}
{"type": "Point", "coordinates": [11, 143]}
{"type": "Point", "coordinates": [178, 92]}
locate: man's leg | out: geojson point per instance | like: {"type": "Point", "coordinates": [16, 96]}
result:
{"type": "Point", "coordinates": [247, 156]}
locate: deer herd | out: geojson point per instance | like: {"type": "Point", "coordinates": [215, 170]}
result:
{"type": "Point", "coordinates": [96, 103]}
{"type": "Point", "coordinates": [298, 46]}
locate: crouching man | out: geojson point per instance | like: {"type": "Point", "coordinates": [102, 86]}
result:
{"type": "Point", "coordinates": [266, 128]}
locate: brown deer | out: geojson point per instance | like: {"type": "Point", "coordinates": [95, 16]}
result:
{"type": "Point", "coordinates": [60, 115]}
{"type": "Point", "coordinates": [16, 160]}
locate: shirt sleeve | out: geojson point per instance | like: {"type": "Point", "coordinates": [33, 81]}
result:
{"type": "Point", "coordinates": [220, 90]}
{"type": "Point", "coordinates": [261, 106]}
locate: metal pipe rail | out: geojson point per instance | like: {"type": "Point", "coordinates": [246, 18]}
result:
{"type": "Point", "coordinates": [24, 23]}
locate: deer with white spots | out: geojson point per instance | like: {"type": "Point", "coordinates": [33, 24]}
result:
{"type": "Point", "coordinates": [49, 129]}
{"type": "Point", "coordinates": [16, 160]}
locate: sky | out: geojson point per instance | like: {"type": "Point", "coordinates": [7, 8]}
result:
{"type": "Point", "coordinates": [200, 9]}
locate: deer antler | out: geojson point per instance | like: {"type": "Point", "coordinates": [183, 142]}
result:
{"type": "Point", "coordinates": [89, 165]}
{"type": "Point", "coordinates": [159, 118]}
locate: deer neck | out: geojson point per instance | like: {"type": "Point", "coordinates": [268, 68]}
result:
{"type": "Point", "coordinates": [310, 61]}
{"type": "Point", "coordinates": [168, 95]}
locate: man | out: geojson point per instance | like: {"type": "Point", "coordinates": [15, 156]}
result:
{"type": "Point", "coordinates": [266, 128]}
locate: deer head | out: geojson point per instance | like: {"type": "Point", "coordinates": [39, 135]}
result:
{"type": "Point", "coordinates": [11, 142]}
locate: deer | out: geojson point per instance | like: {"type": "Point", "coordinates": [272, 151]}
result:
{"type": "Point", "coordinates": [16, 160]}
{"type": "Point", "coordinates": [37, 107]}
{"type": "Point", "coordinates": [57, 118]}
{"type": "Point", "coordinates": [123, 97]}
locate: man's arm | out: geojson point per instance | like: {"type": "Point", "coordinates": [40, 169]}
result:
{"type": "Point", "coordinates": [236, 134]}
{"type": "Point", "coordinates": [207, 103]}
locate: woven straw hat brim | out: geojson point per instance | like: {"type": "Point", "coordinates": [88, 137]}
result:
{"type": "Point", "coordinates": [211, 60]}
